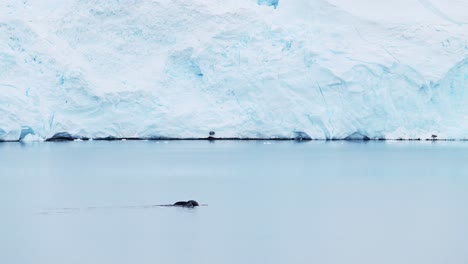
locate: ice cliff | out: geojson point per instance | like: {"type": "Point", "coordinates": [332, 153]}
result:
{"type": "Point", "coordinates": [245, 68]}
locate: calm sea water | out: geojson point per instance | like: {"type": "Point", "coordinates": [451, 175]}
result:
{"type": "Point", "coordinates": [268, 202]}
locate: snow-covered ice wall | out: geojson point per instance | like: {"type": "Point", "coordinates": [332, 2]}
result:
{"type": "Point", "coordinates": [178, 68]}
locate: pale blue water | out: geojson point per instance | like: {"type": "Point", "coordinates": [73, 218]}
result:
{"type": "Point", "coordinates": [284, 202]}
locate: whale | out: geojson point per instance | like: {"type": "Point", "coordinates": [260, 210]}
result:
{"type": "Point", "coordinates": [188, 204]}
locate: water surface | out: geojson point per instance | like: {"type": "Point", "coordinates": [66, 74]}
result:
{"type": "Point", "coordinates": [268, 202]}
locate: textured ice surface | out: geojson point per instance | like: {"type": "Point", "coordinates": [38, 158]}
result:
{"type": "Point", "coordinates": [273, 3]}
{"type": "Point", "coordinates": [160, 68]}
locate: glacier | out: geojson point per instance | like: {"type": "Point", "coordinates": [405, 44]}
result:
{"type": "Point", "coordinates": [324, 69]}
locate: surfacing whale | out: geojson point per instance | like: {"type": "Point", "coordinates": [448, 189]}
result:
{"type": "Point", "coordinates": [188, 204]}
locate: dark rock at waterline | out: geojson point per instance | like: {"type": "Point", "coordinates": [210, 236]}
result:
{"type": "Point", "coordinates": [211, 135]}
{"type": "Point", "coordinates": [64, 136]}
{"type": "Point", "coordinates": [109, 138]}
{"type": "Point", "coordinates": [158, 138]}
{"type": "Point", "coordinates": [299, 135]}
{"type": "Point", "coordinates": [357, 136]}
{"type": "Point", "coordinates": [61, 136]}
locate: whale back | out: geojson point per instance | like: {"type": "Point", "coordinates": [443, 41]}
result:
{"type": "Point", "coordinates": [193, 203]}
{"type": "Point", "coordinates": [190, 203]}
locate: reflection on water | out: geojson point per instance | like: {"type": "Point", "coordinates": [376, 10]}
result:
{"type": "Point", "coordinates": [269, 202]}
{"type": "Point", "coordinates": [90, 209]}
